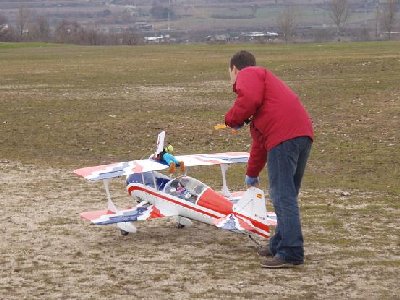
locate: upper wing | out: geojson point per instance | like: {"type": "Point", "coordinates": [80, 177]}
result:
{"type": "Point", "coordinates": [214, 159]}
{"type": "Point", "coordinates": [119, 169]}
{"type": "Point", "coordinates": [146, 165]}
{"type": "Point", "coordinates": [102, 171]}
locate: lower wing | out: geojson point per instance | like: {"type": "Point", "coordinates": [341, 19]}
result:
{"type": "Point", "coordinates": [143, 211]}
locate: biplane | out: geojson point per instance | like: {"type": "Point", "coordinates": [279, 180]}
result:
{"type": "Point", "coordinates": [182, 197]}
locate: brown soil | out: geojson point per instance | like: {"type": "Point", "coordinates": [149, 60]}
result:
{"type": "Point", "coordinates": [47, 252]}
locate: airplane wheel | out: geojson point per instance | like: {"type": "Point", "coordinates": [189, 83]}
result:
{"type": "Point", "coordinates": [124, 233]}
{"type": "Point", "coordinates": [180, 226]}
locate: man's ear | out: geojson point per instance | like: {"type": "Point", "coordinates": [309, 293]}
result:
{"type": "Point", "coordinates": [233, 74]}
{"type": "Point", "coordinates": [235, 70]}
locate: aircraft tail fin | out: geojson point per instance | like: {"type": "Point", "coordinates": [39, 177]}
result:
{"type": "Point", "coordinates": [252, 204]}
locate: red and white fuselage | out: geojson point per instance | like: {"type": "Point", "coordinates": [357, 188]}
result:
{"type": "Point", "coordinates": [208, 206]}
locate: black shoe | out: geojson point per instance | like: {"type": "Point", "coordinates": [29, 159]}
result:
{"type": "Point", "coordinates": [264, 251]}
{"type": "Point", "coordinates": [278, 263]}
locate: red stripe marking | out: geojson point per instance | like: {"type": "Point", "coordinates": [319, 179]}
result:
{"type": "Point", "coordinates": [254, 222]}
{"type": "Point", "coordinates": [246, 154]}
{"type": "Point", "coordinates": [245, 225]}
{"type": "Point", "coordinates": [137, 168]}
{"type": "Point", "coordinates": [208, 160]}
{"type": "Point", "coordinates": [93, 215]}
{"type": "Point", "coordinates": [139, 188]}
{"type": "Point", "coordinates": [90, 170]}
{"type": "Point", "coordinates": [237, 194]}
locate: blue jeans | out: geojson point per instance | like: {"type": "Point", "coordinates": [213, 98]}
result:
{"type": "Point", "coordinates": [286, 164]}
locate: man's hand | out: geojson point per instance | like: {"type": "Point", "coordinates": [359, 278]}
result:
{"type": "Point", "coordinates": [223, 126]}
{"type": "Point", "coordinates": [252, 181]}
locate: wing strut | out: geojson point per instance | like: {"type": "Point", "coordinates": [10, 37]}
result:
{"type": "Point", "coordinates": [125, 227]}
{"type": "Point", "coordinates": [225, 190]}
{"type": "Point", "coordinates": [110, 205]}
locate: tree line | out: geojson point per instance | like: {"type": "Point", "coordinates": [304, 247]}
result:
{"type": "Point", "coordinates": [29, 27]}
{"type": "Point", "coordinates": [339, 12]}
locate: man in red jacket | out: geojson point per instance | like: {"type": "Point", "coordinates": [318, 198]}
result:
{"type": "Point", "coordinates": [282, 135]}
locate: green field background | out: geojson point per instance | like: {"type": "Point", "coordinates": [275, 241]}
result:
{"type": "Point", "coordinates": [71, 106]}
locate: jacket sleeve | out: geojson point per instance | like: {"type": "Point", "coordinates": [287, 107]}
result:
{"type": "Point", "coordinates": [250, 94]}
{"type": "Point", "coordinates": [258, 155]}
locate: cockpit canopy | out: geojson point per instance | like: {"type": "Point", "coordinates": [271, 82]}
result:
{"type": "Point", "coordinates": [186, 188]}
{"type": "Point", "coordinates": [153, 179]}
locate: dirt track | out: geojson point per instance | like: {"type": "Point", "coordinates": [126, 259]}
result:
{"type": "Point", "coordinates": [47, 252]}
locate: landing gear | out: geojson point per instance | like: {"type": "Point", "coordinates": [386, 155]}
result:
{"type": "Point", "coordinates": [182, 222]}
{"type": "Point", "coordinates": [124, 233]}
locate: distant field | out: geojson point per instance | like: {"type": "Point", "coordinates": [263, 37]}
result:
{"type": "Point", "coordinates": [58, 103]}
{"type": "Point", "coordinates": [64, 107]}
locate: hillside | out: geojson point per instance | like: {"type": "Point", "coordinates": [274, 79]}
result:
{"type": "Point", "coordinates": [189, 15]}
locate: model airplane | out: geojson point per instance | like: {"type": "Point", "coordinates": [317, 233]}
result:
{"type": "Point", "coordinates": [183, 197]}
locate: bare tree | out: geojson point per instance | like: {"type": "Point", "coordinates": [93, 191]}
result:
{"type": "Point", "coordinates": [68, 32]}
{"type": "Point", "coordinates": [22, 20]}
{"type": "Point", "coordinates": [388, 16]}
{"type": "Point", "coordinates": [40, 29]}
{"type": "Point", "coordinates": [287, 23]}
{"type": "Point", "coordinates": [130, 36]}
{"type": "Point", "coordinates": [339, 13]}
{"type": "Point", "coordinates": [3, 19]}
{"type": "Point", "coordinates": [6, 31]}
{"type": "Point", "coordinates": [91, 37]}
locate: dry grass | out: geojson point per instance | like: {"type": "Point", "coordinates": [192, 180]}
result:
{"type": "Point", "coordinates": [64, 107]}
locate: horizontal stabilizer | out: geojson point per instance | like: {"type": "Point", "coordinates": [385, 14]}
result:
{"type": "Point", "coordinates": [271, 219]}
{"type": "Point", "coordinates": [234, 223]}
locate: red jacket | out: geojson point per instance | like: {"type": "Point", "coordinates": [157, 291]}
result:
{"type": "Point", "coordinates": [276, 113]}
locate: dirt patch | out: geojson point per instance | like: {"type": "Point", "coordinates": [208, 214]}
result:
{"type": "Point", "coordinates": [48, 252]}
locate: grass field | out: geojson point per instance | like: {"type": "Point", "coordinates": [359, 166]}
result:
{"type": "Point", "coordinates": [63, 107]}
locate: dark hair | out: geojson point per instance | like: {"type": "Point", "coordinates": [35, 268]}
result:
{"type": "Point", "coordinates": [243, 59]}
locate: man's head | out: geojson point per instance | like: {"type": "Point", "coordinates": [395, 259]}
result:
{"type": "Point", "coordinates": [243, 59]}
{"type": "Point", "coordinates": [169, 149]}
{"type": "Point", "coordinates": [239, 61]}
